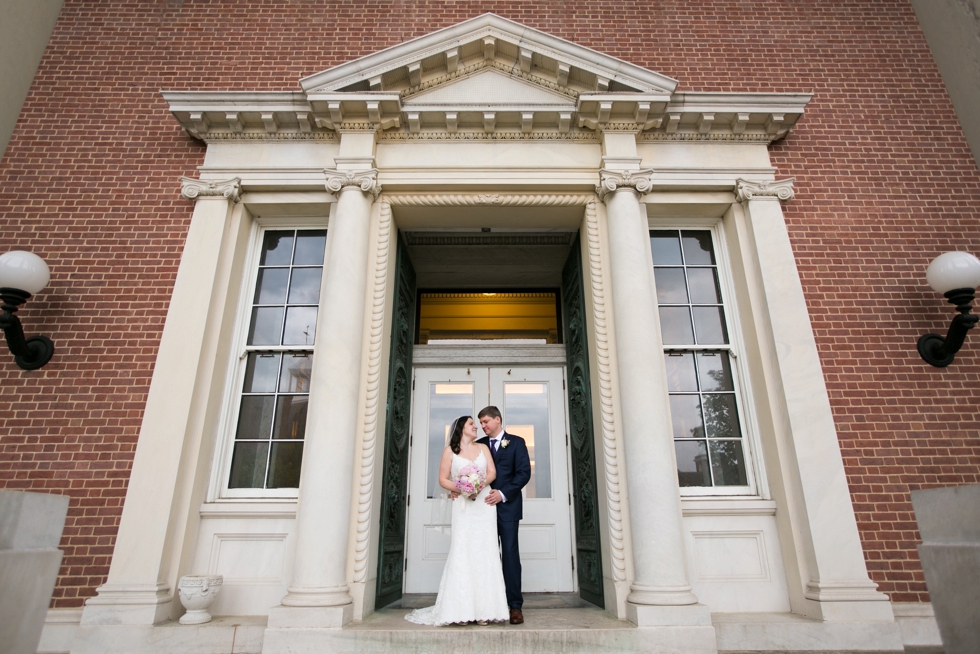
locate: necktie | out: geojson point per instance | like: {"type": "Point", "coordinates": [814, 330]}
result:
{"type": "Point", "coordinates": [496, 444]}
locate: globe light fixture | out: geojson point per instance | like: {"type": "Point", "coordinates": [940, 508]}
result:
{"type": "Point", "coordinates": [956, 275]}
{"type": "Point", "coordinates": [22, 274]}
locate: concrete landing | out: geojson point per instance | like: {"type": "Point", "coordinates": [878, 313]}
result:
{"type": "Point", "coordinates": [788, 632]}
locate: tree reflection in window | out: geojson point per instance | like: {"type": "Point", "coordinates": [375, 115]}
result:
{"type": "Point", "coordinates": [703, 404]}
{"type": "Point", "coordinates": [268, 450]}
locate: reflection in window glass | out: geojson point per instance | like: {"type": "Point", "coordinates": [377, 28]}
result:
{"type": "Point", "coordinates": [273, 407]}
{"type": "Point", "coordinates": [271, 430]}
{"type": "Point", "coordinates": [447, 401]}
{"type": "Point", "coordinates": [527, 413]}
{"type": "Point", "coordinates": [287, 289]}
{"type": "Point", "coordinates": [703, 406]}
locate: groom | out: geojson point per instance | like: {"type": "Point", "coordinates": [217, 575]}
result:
{"type": "Point", "coordinates": [513, 472]}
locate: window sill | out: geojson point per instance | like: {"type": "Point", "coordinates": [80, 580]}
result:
{"type": "Point", "coordinates": [734, 506]}
{"type": "Point", "coordinates": [249, 509]}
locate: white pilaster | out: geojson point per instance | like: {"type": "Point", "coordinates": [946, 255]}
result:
{"type": "Point", "coordinates": [319, 596]}
{"type": "Point", "coordinates": [660, 595]}
{"type": "Point", "coordinates": [833, 571]}
{"type": "Point", "coordinates": [137, 590]}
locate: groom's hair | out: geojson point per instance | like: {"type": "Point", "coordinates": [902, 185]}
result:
{"type": "Point", "coordinates": [491, 411]}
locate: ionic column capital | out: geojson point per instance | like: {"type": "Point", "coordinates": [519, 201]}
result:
{"type": "Point", "coordinates": [196, 189]}
{"type": "Point", "coordinates": [781, 190]}
{"type": "Point", "coordinates": [365, 180]}
{"type": "Point", "coordinates": [639, 181]}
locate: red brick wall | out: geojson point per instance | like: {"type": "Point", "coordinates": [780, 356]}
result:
{"type": "Point", "coordinates": [885, 181]}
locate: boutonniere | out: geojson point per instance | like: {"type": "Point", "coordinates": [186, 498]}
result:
{"type": "Point", "coordinates": [504, 442]}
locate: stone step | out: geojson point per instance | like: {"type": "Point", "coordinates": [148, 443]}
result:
{"type": "Point", "coordinates": [583, 630]}
{"type": "Point", "coordinates": [545, 631]}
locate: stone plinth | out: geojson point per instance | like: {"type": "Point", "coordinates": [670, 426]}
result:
{"type": "Point", "coordinates": [949, 521]}
{"type": "Point", "coordinates": [30, 530]}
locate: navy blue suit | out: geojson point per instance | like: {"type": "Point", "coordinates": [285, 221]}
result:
{"type": "Point", "coordinates": [513, 472]}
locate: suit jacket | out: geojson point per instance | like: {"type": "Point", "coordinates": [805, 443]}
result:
{"type": "Point", "coordinates": [513, 472]}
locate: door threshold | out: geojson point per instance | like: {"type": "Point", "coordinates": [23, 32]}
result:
{"type": "Point", "coordinates": [531, 601]}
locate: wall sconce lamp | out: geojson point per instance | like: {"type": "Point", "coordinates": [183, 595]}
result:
{"type": "Point", "coordinates": [956, 275]}
{"type": "Point", "coordinates": [23, 274]}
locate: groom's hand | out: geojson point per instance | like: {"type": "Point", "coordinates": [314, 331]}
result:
{"type": "Point", "coordinates": [493, 497]}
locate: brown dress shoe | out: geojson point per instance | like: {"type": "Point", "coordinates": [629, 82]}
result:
{"type": "Point", "coordinates": [516, 617]}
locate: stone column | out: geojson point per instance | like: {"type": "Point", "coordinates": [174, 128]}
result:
{"type": "Point", "coordinates": [660, 594]}
{"type": "Point", "coordinates": [318, 596]}
{"type": "Point", "coordinates": [833, 573]}
{"type": "Point", "coordinates": [137, 591]}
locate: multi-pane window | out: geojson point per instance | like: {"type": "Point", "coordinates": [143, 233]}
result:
{"type": "Point", "coordinates": [271, 426]}
{"type": "Point", "coordinates": [697, 355]}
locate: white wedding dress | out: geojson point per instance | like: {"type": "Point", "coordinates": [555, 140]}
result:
{"type": "Point", "coordinates": [472, 586]}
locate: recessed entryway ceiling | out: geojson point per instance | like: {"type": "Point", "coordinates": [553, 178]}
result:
{"type": "Point", "coordinates": [499, 259]}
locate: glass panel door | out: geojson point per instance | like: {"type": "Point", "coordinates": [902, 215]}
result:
{"type": "Point", "coordinates": [441, 396]}
{"type": "Point", "coordinates": [532, 401]}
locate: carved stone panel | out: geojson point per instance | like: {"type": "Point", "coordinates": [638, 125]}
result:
{"type": "Point", "coordinates": [391, 549]}
{"type": "Point", "coordinates": [584, 491]}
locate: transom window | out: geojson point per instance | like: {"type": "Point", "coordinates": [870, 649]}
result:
{"type": "Point", "coordinates": [271, 425]}
{"type": "Point", "coordinates": [701, 382]}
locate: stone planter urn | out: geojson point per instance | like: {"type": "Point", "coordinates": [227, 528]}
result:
{"type": "Point", "coordinates": [949, 521]}
{"type": "Point", "coordinates": [196, 594]}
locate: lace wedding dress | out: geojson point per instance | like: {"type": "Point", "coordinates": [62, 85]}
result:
{"type": "Point", "coordinates": [472, 586]}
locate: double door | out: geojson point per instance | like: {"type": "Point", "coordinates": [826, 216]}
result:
{"type": "Point", "coordinates": [532, 402]}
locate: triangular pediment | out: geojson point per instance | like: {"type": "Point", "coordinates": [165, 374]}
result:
{"type": "Point", "coordinates": [489, 88]}
{"type": "Point", "coordinates": [487, 77]}
{"type": "Point", "coordinates": [488, 38]}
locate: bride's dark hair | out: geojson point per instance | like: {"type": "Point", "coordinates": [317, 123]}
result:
{"type": "Point", "coordinates": [456, 434]}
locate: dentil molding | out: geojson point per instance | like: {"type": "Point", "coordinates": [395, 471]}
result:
{"type": "Point", "coordinates": [614, 180]}
{"type": "Point", "coordinates": [781, 190]}
{"type": "Point", "coordinates": [366, 180]}
{"type": "Point", "coordinates": [193, 189]}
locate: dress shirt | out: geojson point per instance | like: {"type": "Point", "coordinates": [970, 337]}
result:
{"type": "Point", "coordinates": [495, 443]}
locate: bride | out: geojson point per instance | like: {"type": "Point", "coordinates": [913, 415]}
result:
{"type": "Point", "coordinates": [472, 586]}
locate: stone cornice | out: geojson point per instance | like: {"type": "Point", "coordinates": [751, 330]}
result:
{"type": "Point", "coordinates": [761, 118]}
{"type": "Point", "coordinates": [746, 190]}
{"type": "Point", "coordinates": [195, 189]}
{"type": "Point", "coordinates": [639, 181]}
{"type": "Point", "coordinates": [365, 180]}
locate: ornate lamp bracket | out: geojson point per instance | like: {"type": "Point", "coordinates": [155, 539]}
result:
{"type": "Point", "coordinates": [229, 189]}
{"type": "Point", "coordinates": [610, 181]}
{"type": "Point", "coordinates": [365, 180]}
{"type": "Point", "coordinates": [781, 190]}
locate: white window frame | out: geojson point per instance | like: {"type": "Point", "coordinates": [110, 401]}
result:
{"type": "Point", "coordinates": [744, 402]}
{"type": "Point", "coordinates": [218, 489]}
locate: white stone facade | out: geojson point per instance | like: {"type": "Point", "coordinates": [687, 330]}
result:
{"type": "Point", "coordinates": [491, 124]}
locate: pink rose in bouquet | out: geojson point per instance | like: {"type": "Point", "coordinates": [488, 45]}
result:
{"type": "Point", "coordinates": [470, 480]}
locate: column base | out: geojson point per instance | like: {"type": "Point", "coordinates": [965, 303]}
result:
{"type": "Point", "coordinates": [845, 601]}
{"type": "Point", "coordinates": [310, 617]}
{"type": "Point", "coordinates": [317, 596]}
{"type": "Point", "coordinates": [128, 605]}
{"type": "Point", "coordinates": [661, 595]}
{"type": "Point", "coordinates": [649, 615]}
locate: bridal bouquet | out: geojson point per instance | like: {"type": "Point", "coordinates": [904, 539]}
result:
{"type": "Point", "coordinates": [470, 481]}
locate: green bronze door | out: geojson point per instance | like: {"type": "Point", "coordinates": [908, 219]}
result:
{"type": "Point", "coordinates": [584, 495]}
{"type": "Point", "coordinates": [391, 549]}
